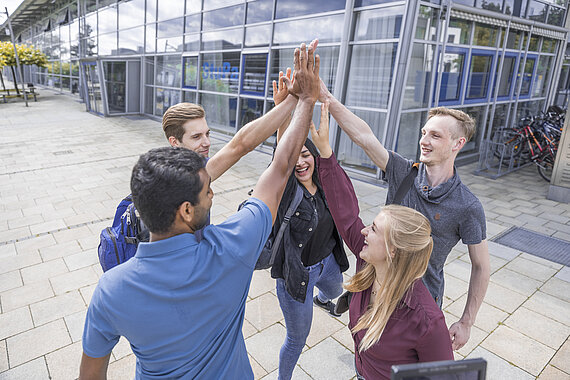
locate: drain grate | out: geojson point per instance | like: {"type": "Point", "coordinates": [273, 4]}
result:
{"type": "Point", "coordinates": [536, 244]}
{"type": "Point", "coordinates": [61, 152]}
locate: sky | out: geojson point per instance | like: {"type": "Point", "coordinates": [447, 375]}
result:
{"type": "Point", "coordinates": [12, 5]}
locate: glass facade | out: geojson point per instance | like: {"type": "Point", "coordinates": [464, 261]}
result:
{"type": "Point", "coordinates": [388, 61]}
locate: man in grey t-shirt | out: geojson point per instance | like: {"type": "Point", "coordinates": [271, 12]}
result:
{"type": "Point", "coordinates": [453, 211]}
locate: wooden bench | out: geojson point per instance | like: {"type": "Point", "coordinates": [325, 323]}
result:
{"type": "Point", "coordinates": [29, 93]}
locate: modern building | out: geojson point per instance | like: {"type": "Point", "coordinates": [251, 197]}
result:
{"type": "Point", "coordinates": [387, 61]}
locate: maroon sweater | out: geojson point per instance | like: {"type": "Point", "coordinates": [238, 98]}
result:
{"type": "Point", "coordinates": [416, 331]}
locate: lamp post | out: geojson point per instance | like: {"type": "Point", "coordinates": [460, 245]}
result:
{"type": "Point", "coordinates": [17, 59]}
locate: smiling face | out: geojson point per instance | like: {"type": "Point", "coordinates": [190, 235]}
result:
{"type": "Point", "coordinates": [305, 167]}
{"type": "Point", "coordinates": [196, 136]}
{"type": "Point", "coordinates": [375, 250]}
{"type": "Point", "coordinates": [439, 144]}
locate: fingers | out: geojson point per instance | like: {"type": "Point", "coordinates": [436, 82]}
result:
{"type": "Point", "coordinates": [281, 83]}
{"type": "Point", "coordinates": [313, 130]}
{"type": "Point", "coordinates": [317, 65]}
{"type": "Point", "coordinates": [288, 72]}
{"type": "Point", "coordinates": [296, 63]}
{"type": "Point", "coordinates": [324, 115]}
{"type": "Point", "coordinates": [311, 57]}
{"type": "Point", "coordinates": [275, 87]}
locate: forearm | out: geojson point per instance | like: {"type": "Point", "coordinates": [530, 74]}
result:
{"type": "Point", "coordinates": [283, 127]}
{"type": "Point", "coordinates": [477, 288]}
{"type": "Point", "coordinates": [93, 368]}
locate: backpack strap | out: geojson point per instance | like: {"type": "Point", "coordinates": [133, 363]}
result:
{"type": "Point", "coordinates": [292, 207]}
{"type": "Point", "coordinates": [406, 184]}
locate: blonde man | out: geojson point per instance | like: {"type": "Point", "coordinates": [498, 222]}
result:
{"type": "Point", "coordinates": [453, 211]}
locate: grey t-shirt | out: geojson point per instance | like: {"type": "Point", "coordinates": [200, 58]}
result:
{"type": "Point", "coordinates": [452, 210]}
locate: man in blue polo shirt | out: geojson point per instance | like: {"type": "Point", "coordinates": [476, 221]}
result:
{"type": "Point", "coordinates": [179, 302]}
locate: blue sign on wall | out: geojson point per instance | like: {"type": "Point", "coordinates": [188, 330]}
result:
{"type": "Point", "coordinates": [220, 72]}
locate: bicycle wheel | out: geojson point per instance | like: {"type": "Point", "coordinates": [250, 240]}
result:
{"type": "Point", "coordinates": [545, 170]}
{"type": "Point", "coordinates": [514, 144]}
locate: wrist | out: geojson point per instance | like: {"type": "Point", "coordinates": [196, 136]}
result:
{"type": "Point", "coordinates": [326, 152]}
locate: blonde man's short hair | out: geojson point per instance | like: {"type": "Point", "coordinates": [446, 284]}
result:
{"type": "Point", "coordinates": [465, 123]}
{"type": "Point", "coordinates": [175, 117]}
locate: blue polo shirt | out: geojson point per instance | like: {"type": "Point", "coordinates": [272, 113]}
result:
{"type": "Point", "coordinates": [181, 303]}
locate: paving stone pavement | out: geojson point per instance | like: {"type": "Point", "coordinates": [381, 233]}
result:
{"type": "Point", "coordinates": [63, 172]}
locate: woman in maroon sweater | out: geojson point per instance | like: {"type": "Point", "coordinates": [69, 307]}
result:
{"type": "Point", "coordinates": [393, 318]}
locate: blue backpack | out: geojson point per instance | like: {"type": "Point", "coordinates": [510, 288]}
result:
{"type": "Point", "coordinates": [119, 242]}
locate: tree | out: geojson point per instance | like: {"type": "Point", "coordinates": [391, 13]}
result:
{"type": "Point", "coordinates": [27, 55]}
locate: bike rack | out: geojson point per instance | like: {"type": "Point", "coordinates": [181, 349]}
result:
{"type": "Point", "coordinates": [495, 160]}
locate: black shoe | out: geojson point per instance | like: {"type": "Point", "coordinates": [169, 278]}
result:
{"type": "Point", "coordinates": [343, 303]}
{"type": "Point", "coordinates": [329, 306]}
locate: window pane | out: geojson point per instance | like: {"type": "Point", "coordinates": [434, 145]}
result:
{"type": "Point", "coordinates": [108, 44]}
{"type": "Point", "coordinates": [257, 35]}
{"type": "Point", "coordinates": [255, 71]}
{"type": "Point", "coordinates": [169, 44]}
{"type": "Point", "coordinates": [108, 19]}
{"type": "Point", "coordinates": [151, 11]}
{"type": "Point", "coordinates": [149, 70]}
{"type": "Point", "coordinates": [215, 4]}
{"type": "Point", "coordinates": [193, 6]}
{"type": "Point", "coordinates": [150, 46]}
{"type": "Point", "coordinates": [168, 9]}
{"type": "Point", "coordinates": [479, 76]}
{"type": "Point", "coordinates": [192, 42]}
{"type": "Point", "coordinates": [363, 3]}
{"type": "Point", "coordinates": [556, 16]}
{"type": "Point", "coordinates": [416, 92]}
{"type": "Point", "coordinates": [465, 2]}
{"type": "Point", "coordinates": [190, 72]}
{"type": "Point", "coordinates": [515, 7]}
{"type": "Point", "coordinates": [506, 76]}
{"type": "Point", "coordinates": [458, 32]}
{"type": "Point", "coordinates": [533, 45]}
{"type": "Point", "coordinates": [409, 134]}
{"type": "Point", "coordinates": [327, 28]}
{"type": "Point", "coordinates": [171, 28]}
{"type": "Point", "coordinates": [485, 35]}
{"type": "Point", "coordinates": [536, 11]}
{"type": "Point", "coordinates": [370, 77]}
{"type": "Point", "coordinates": [165, 98]}
{"type": "Point", "coordinates": [251, 109]}
{"type": "Point", "coordinates": [131, 41]}
{"type": "Point", "coordinates": [131, 13]}
{"type": "Point", "coordinates": [115, 81]}
{"type": "Point", "coordinates": [514, 39]}
{"type": "Point", "coordinates": [451, 76]}
{"type": "Point", "coordinates": [192, 24]}
{"type": "Point", "coordinates": [258, 11]}
{"type": "Point", "coordinates": [168, 70]}
{"type": "Point", "coordinates": [527, 77]}
{"type": "Point", "coordinates": [294, 8]}
{"type": "Point", "coordinates": [351, 154]}
{"type": "Point", "coordinates": [492, 5]}
{"type": "Point", "coordinates": [220, 110]}
{"type": "Point", "coordinates": [148, 100]}
{"type": "Point", "coordinates": [542, 75]}
{"type": "Point", "coordinates": [548, 45]}
{"type": "Point", "coordinates": [220, 72]}
{"type": "Point", "coordinates": [426, 28]}
{"type": "Point", "coordinates": [378, 24]}
{"type": "Point", "coordinates": [225, 39]}
{"type": "Point", "coordinates": [189, 96]}
{"type": "Point", "coordinates": [477, 113]}
{"type": "Point", "coordinates": [222, 18]}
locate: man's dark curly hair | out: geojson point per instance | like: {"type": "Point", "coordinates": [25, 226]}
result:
{"type": "Point", "coordinates": [161, 181]}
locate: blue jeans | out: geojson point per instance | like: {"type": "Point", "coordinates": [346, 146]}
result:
{"type": "Point", "coordinates": [326, 276]}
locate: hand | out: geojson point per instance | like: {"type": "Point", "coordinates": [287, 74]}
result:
{"type": "Point", "coordinates": [459, 333]}
{"type": "Point", "coordinates": [321, 137]}
{"type": "Point", "coordinates": [280, 93]}
{"type": "Point", "coordinates": [324, 94]}
{"type": "Point", "coordinates": [306, 84]}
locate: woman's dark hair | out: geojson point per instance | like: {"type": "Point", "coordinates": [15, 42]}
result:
{"type": "Point", "coordinates": [161, 181]}
{"type": "Point", "coordinates": [315, 153]}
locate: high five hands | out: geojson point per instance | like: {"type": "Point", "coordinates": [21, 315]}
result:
{"type": "Point", "coordinates": [305, 83]}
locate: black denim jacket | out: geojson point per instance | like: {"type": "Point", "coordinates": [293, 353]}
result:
{"type": "Point", "coordinates": [288, 264]}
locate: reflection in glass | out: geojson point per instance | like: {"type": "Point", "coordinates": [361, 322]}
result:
{"type": "Point", "coordinates": [193, 6]}
{"type": "Point", "coordinates": [556, 16]}
{"type": "Point", "coordinates": [491, 5]}
{"type": "Point", "coordinates": [149, 70]}
{"type": "Point", "coordinates": [131, 13]}
{"type": "Point", "coordinates": [458, 31]}
{"type": "Point", "coordinates": [89, 46]}
{"type": "Point", "coordinates": [148, 100]}
{"type": "Point", "coordinates": [131, 41]}
{"type": "Point", "coordinates": [506, 76]}
{"type": "Point", "coordinates": [171, 28]}
{"type": "Point", "coordinates": [192, 42]}
{"type": "Point", "coordinates": [465, 2]}
{"type": "Point", "coordinates": [151, 13]}
{"type": "Point", "coordinates": [165, 98]}
{"type": "Point", "coordinates": [515, 7]}
{"type": "Point", "coordinates": [225, 39]}
{"type": "Point", "coordinates": [478, 114]}
{"type": "Point", "coordinates": [150, 46]}
{"type": "Point", "coordinates": [257, 35]}
{"type": "Point", "coordinates": [169, 44]}
{"type": "Point", "coordinates": [370, 76]}
{"type": "Point", "coordinates": [294, 8]}
{"type": "Point", "coordinates": [363, 3]}
{"type": "Point", "coordinates": [254, 74]}
{"type": "Point", "coordinates": [379, 24]}
{"type": "Point", "coordinates": [536, 11]}
{"type": "Point", "coordinates": [533, 45]}
{"type": "Point", "coordinates": [485, 35]}
{"type": "Point", "coordinates": [327, 28]}
{"type": "Point", "coordinates": [426, 28]}
{"type": "Point", "coordinates": [251, 109]}
{"type": "Point", "coordinates": [416, 92]}
{"type": "Point", "coordinates": [221, 110]}
{"type": "Point", "coordinates": [215, 4]}
{"type": "Point", "coordinates": [115, 81]}
{"type": "Point", "coordinates": [451, 76]}
{"type": "Point", "coordinates": [189, 96]}
{"type": "Point", "coordinates": [90, 25]}
{"type": "Point", "coordinates": [190, 72]}
{"type": "Point", "coordinates": [259, 11]}
{"type": "Point", "coordinates": [222, 18]}
{"type": "Point", "coordinates": [168, 70]}
{"type": "Point", "coordinates": [479, 74]}
{"type": "Point", "coordinates": [548, 45]}
{"type": "Point", "coordinates": [499, 118]}
{"type": "Point", "coordinates": [220, 72]}
{"type": "Point", "coordinates": [409, 134]}
{"type": "Point", "coordinates": [108, 44]}
{"type": "Point", "coordinates": [514, 39]}
{"type": "Point", "coordinates": [543, 72]}
{"type": "Point", "coordinates": [527, 76]}
{"type": "Point", "coordinates": [192, 24]}
{"type": "Point", "coordinates": [108, 19]}
{"type": "Point", "coordinates": [351, 154]}
{"type": "Point", "coordinates": [168, 9]}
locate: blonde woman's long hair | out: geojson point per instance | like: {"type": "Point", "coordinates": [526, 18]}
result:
{"type": "Point", "coordinates": [408, 236]}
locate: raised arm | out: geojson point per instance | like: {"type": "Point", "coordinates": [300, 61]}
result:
{"type": "Point", "coordinates": [338, 188]}
{"type": "Point", "coordinates": [280, 93]}
{"type": "Point", "coordinates": [480, 269]}
{"type": "Point", "coordinates": [356, 129]}
{"type": "Point", "coordinates": [251, 135]}
{"type": "Point", "coordinates": [271, 184]}
{"type": "Point", "coordinates": [93, 368]}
